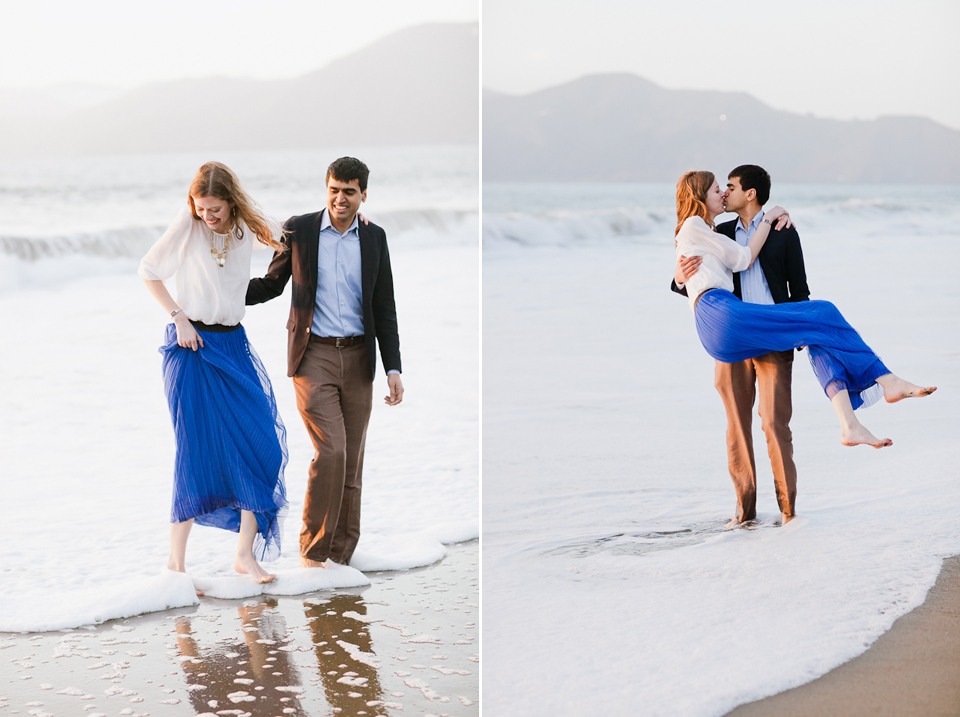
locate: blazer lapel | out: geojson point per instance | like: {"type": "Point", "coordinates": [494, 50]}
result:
{"type": "Point", "coordinates": [736, 275]}
{"type": "Point", "coordinates": [313, 252]}
{"type": "Point", "coordinates": [368, 262]}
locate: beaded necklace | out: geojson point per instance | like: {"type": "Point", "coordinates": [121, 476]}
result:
{"type": "Point", "coordinates": [219, 254]}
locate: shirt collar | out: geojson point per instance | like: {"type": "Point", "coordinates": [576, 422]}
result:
{"type": "Point", "coordinates": [754, 223]}
{"type": "Point", "coordinates": [325, 223]}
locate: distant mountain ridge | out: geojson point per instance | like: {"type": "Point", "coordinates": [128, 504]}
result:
{"type": "Point", "coordinates": [416, 86]}
{"type": "Point", "coordinates": [53, 100]}
{"type": "Point", "coordinates": [621, 127]}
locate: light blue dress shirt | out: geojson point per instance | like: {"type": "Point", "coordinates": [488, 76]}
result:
{"type": "Point", "coordinates": [339, 303]}
{"type": "Point", "coordinates": [753, 284]}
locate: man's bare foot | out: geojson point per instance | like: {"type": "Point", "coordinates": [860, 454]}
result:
{"type": "Point", "coordinates": [896, 389]}
{"type": "Point", "coordinates": [248, 565]}
{"type": "Point", "coordinates": [306, 562]}
{"type": "Point", "coordinates": [858, 435]}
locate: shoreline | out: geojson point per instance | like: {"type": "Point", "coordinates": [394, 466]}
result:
{"type": "Point", "coordinates": [408, 641]}
{"type": "Point", "coordinates": [912, 669]}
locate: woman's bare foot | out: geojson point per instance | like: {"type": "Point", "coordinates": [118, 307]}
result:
{"type": "Point", "coordinates": [174, 567]}
{"type": "Point", "coordinates": [896, 389]}
{"type": "Point", "coordinates": [857, 435]}
{"type": "Point", "coordinates": [248, 565]}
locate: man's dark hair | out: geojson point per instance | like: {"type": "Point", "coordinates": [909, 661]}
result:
{"type": "Point", "coordinates": [752, 177]}
{"type": "Point", "coordinates": [346, 169]}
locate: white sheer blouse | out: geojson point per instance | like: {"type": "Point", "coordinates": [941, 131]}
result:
{"type": "Point", "coordinates": [205, 291]}
{"type": "Point", "coordinates": [721, 257]}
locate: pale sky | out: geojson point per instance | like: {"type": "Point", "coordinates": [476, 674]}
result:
{"type": "Point", "coordinates": [842, 59]}
{"type": "Point", "coordinates": [126, 43]}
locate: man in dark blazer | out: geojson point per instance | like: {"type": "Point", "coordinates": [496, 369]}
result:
{"type": "Point", "coordinates": [342, 307]}
{"type": "Point", "coordinates": [778, 276]}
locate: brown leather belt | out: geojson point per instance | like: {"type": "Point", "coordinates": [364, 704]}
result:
{"type": "Point", "coordinates": [338, 341]}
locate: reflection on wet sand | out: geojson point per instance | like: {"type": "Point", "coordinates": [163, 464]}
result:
{"type": "Point", "coordinates": [254, 674]}
{"type": "Point", "coordinates": [406, 647]}
{"type": "Point", "coordinates": [348, 665]}
{"type": "Point", "coordinates": [257, 675]}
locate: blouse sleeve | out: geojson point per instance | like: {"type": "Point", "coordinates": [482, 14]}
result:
{"type": "Point", "coordinates": [697, 237]}
{"type": "Point", "coordinates": [166, 255]}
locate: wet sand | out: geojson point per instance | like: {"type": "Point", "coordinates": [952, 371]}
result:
{"type": "Point", "coordinates": [913, 669]}
{"type": "Point", "coordinates": [408, 644]}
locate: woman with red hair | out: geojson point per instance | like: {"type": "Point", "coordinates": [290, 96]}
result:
{"type": "Point", "coordinates": [732, 330]}
{"type": "Point", "coordinates": [231, 443]}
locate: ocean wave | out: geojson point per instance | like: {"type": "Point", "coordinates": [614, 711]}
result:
{"type": "Point", "coordinates": [855, 208]}
{"type": "Point", "coordinates": [35, 262]}
{"type": "Point", "coordinates": [856, 204]}
{"type": "Point", "coordinates": [570, 228]}
{"type": "Point", "coordinates": [112, 244]}
{"type": "Point", "coordinates": [406, 220]}
{"type": "Point", "coordinates": [133, 243]}
{"type": "Point", "coordinates": [863, 216]}
{"type": "Point", "coordinates": [875, 216]}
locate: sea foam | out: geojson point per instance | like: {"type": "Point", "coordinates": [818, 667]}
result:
{"type": "Point", "coordinates": [74, 608]}
{"type": "Point", "coordinates": [606, 490]}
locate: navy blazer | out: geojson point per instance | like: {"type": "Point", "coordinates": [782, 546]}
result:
{"type": "Point", "coordinates": [781, 261]}
{"type": "Point", "coordinates": [300, 260]}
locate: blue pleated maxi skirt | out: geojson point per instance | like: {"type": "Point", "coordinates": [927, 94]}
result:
{"type": "Point", "coordinates": [231, 443]}
{"type": "Point", "coordinates": [732, 330]}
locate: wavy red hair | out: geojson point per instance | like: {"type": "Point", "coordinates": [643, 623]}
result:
{"type": "Point", "coordinates": [214, 179]}
{"type": "Point", "coordinates": [692, 197]}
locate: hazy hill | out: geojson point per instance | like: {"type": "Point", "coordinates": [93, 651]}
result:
{"type": "Point", "coordinates": [620, 127]}
{"type": "Point", "coordinates": [416, 86]}
{"type": "Point", "coordinates": [53, 100]}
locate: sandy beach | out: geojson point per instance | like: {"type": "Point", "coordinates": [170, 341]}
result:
{"type": "Point", "coordinates": [914, 669]}
{"type": "Point", "coordinates": [407, 644]}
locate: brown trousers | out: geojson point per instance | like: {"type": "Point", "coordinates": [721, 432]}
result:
{"type": "Point", "coordinates": [737, 384]}
{"type": "Point", "coordinates": [334, 394]}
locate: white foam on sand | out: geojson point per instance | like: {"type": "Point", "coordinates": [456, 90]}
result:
{"type": "Point", "coordinates": [453, 532]}
{"type": "Point", "coordinates": [307, 580]}
{"type": "Point", "coordinates": [610, 581]}
{"type": "Point", "coordinates": [391, 552]}
{"type": "Point", "coordinates": [89, 606]}
{"type": "Point", "coordinates": [86, 446]}
{"type": "Point", "coordinates": [291, 581]}
{"type": "Point", "coordinates": [227, 587]}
